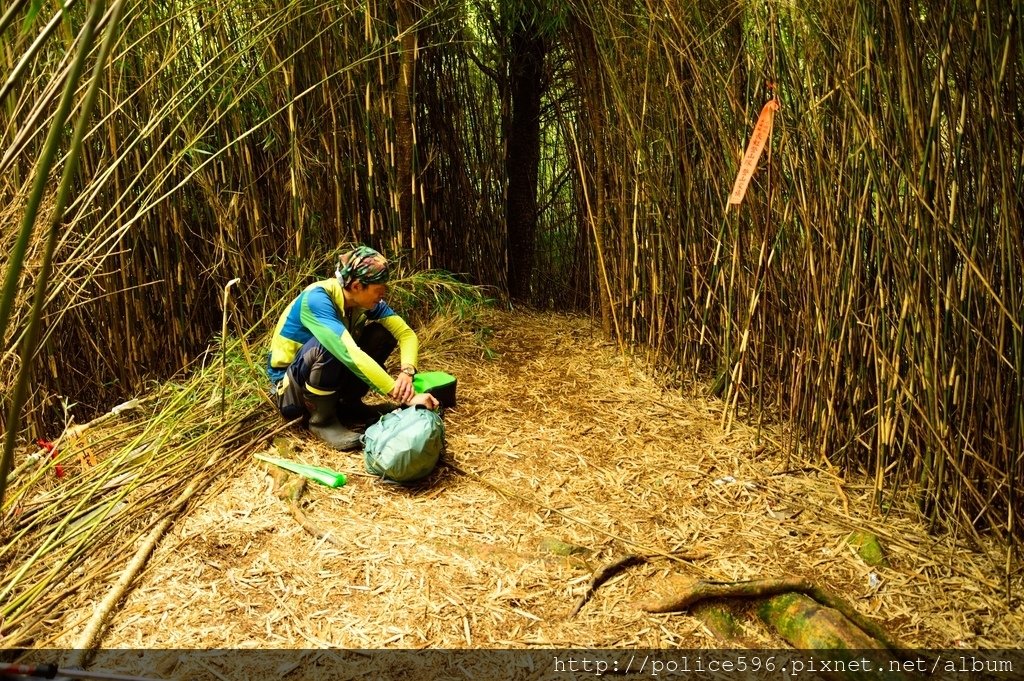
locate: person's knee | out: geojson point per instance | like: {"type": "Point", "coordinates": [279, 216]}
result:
{"type": "Point", "coordinates": [316, 367]}
{"type": "Point", "coordinates": [288, 397]}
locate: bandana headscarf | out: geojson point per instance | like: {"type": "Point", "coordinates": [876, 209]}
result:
{"type": "Point", "coordinates": [362, 264]}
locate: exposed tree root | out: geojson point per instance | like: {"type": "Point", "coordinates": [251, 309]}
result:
{"type": "Point", "coordinates": [603, 575]}
{"type": "Point", "coordinates": [699, 590]}
{"type": "Point", "coordinates": [808, 625]}
{"type": "Point", "coordinates": [617, 566]}
{"type": "Point", "coordinates": [290, 489]}
{"type": "Point", "coordinates": [314, 530]}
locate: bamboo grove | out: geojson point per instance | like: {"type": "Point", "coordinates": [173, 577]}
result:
{"type": "Point", "coordinates": [576, 155]}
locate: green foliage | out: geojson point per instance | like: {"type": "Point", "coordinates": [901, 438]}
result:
{"type": "Point", "coordinates": [30, 17]}
{"type": "Point", "coordinates": [422, 295]}
{"type": "Point", "coordinates": [548, 17]}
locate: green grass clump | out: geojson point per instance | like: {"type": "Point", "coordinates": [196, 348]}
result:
{"type": "Point", "coordinates": [420, 296]}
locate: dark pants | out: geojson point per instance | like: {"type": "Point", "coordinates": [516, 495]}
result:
{"type": "Point", "coordinates": [319, 369]}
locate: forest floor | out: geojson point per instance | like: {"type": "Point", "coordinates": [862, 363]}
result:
{"type": "Point", "coordinates": [557, 442]}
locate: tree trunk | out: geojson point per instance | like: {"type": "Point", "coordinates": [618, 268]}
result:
{"type": "Point", "coordinates": [522, 148]}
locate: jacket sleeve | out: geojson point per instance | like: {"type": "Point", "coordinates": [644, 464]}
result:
{"type": "Point", "coordinates": [320, 316]}
{"type": "Point", "coordinates": [408, 342]}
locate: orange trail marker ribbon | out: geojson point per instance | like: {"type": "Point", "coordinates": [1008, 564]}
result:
{"type": "Point", "coordinates": [762, 129]}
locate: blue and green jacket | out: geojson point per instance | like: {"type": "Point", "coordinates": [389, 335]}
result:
{"type": "Point", "coordinates": [319, 311]}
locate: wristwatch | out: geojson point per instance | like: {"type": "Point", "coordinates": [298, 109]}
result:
{"type": "Point", "coordinates": [411, 371]}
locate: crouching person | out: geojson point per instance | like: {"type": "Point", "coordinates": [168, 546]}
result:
{"type": "Point", "coordinates": [330, 345]}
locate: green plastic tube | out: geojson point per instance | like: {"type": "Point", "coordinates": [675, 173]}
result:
{"type": "Point", "coordinates": [324, 476]}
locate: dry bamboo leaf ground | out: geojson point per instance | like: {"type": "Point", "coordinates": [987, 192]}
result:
{"type": "Point", "coordinates": [587, 448]}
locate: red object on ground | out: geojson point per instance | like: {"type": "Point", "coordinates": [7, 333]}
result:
{"type": "Point", "coordinates": [48, 446]}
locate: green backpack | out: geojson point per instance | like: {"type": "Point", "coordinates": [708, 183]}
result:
{"type": "Point", "coordinates": [405, 445]}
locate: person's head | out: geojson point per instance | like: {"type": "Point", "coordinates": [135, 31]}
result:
{"type": "Point", "coordinates": [364, 273]}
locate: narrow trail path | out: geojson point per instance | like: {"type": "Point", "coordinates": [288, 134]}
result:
{"type": "Point", "coordinates": [566, 445]}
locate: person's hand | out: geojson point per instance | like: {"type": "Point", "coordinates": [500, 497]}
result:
{"type": "Point", "coordinates": [424, 400]}
{"type": "Point", "coordinates": [402, 392]}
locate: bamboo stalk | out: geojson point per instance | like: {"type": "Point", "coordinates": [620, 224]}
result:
{"type": "Point", "coordinates": [16, 258]}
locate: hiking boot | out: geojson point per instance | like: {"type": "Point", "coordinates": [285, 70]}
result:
{"type": "Point", "coordinates": [355, 412]}
{"type": "Point", "coordinates": [323, 422]}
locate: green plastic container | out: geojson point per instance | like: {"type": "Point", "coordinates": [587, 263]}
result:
{"type": "Point", "coordinates": [437, 383]}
